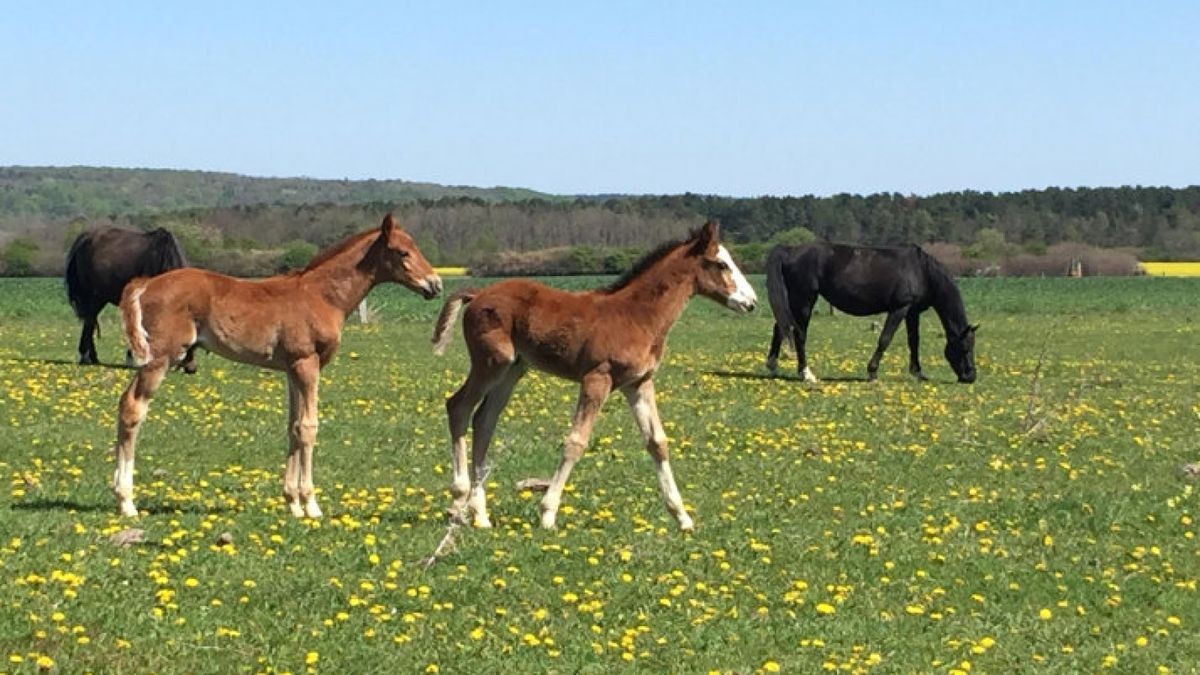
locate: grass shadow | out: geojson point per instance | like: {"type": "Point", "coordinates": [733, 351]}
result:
{"type": "Point", "coordinates": [784, 378]}
{"type": "Point", "coordinates": [45, 504]}
{"type": "Point", "coordinates": [148, 508]}
{"type": "Point", "coordinates": [70, 362]}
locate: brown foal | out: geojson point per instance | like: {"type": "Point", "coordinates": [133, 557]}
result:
{"type": "Point", "coordinates": [604, 339]}
{"type": "Point", "coordinates": [291, 322]}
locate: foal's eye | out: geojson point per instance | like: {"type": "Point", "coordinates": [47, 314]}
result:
{"type": "Point", "coordinates": [722, 265]}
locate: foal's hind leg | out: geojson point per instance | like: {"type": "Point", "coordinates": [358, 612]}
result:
{"type": "Point", "coordinates": [645, 411]}
{"type": "Point", "coordinates": [483, 425]}
{"type": "Point", "coordinates": [592, 392]}
{"type": "Point", "coordinates": [135, 401]}
{"type": "Point", "coordinates": [484, 375]}
{"type": "Point", "coordinates": [885, 338]}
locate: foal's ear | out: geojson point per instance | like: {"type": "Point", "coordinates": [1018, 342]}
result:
{"type": "Point", "coordinates": [708, 237]}
{"type": "Point", "coordinates": [973, 328]}
{"type": "Point", "coordinates": [389, 224]}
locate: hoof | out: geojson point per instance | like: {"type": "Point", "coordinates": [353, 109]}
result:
{"type": "Point", "coordinates": [807, 375]}
{"type": "Point", "coordinates": [548, 521]}
{"type": "Point", "coordinates": [313, 511]}
{"type": "Point", "coordinates": [456, 514]}
{"type": "Point", "coordinates": [297, 509]}
{"type": "Point", "coordinates": [481, 522]}
{"type": "Point", "coordinates": [686, 524]}
{"type": "Point", "coordinates": [127, 510]}
{"type": "Point", "coordinates": [772, 367]}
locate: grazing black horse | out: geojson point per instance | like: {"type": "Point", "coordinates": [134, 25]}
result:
{"type": "Point", "coordinates": [102, 261]}
{"type": "Point", "coordinates": [902, 281]}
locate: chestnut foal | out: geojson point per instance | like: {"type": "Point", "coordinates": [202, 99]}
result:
{"type": "Point", "coordinates": [604, 339]}
{"type": "Point", "coordinates": [291, 322]}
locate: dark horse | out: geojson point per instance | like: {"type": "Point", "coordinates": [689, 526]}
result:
{"type": "Point", "coordinates": [901, 281]}
{"type": "Point", "coordinates": [102, 261]}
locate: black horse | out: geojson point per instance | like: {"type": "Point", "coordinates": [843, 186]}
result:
{"type": "Point", "coordinates": [102, 261]}
{"type": "Point", "coordinates": [902, 281]}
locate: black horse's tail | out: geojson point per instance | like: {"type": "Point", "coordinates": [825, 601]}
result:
{"type": "Point", "coordinates": [777, 293]}
{"type": "Point", "coordinates": [77, 293]}
{"type": "Point", "coordinates": [163, 255]}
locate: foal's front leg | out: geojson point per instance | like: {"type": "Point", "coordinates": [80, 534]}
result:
{"type": "Point", "coordinates": [645, 411]}
{"type": "Point", "coordinates": [592, 392]}
{"type": "Point", "coordinates": [298, 486]}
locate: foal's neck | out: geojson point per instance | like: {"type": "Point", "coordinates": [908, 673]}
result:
{"type": "Point", "coordinates": [343, 280]}
{"type": "Point", "coordinates": [657, 297]}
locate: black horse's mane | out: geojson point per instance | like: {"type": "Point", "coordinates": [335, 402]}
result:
{"type": "Point", "coordinates": [947, 299]}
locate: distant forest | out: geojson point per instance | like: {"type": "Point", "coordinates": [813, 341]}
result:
{"type": "Point", "coordinates": [255, 226]}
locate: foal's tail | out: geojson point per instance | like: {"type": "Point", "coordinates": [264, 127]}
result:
{"type": "Point", "coordinates": [777, 293]}
{"type": "Point", "coordinates": [131, 322]}
{"type": "Point", "coordinates": [447, 317]}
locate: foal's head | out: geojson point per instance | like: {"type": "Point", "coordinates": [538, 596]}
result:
{"type": "Point", "coordinates": [397, 258]}
{"type": "Point", "coordinates": [960, 352]}
{"type": "Point", "coordinates": [717, 276]}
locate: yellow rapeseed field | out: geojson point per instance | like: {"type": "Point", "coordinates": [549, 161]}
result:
{"type": "Point", "coordinates": [1172, 269]}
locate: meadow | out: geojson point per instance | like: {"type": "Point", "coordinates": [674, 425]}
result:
{"type": "Point", "coordinates": [1040, 520]}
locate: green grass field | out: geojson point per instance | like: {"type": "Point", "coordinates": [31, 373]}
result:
{"type": "Point", "coordinates": [1038, 520]}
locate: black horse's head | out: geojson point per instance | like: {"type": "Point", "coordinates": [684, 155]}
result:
{"type": "Point", "coordinates": [960, 352]}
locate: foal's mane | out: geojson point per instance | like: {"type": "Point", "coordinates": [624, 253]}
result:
{"type": "Point", "coordinates": [338, 248]}
{"type": "Point", "coordinates": [644, 263]}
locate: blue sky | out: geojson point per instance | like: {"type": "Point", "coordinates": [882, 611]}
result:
{"type": "Point", "coordinates": [739, 98]}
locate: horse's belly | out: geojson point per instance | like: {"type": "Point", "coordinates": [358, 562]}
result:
{"type": "Point", "coordinates": [242, 342]}
{"type": "Point", "coordinates": [855, 306]}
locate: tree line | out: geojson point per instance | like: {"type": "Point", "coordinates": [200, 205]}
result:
{"type": "Point", "coordinates": [588, 234]}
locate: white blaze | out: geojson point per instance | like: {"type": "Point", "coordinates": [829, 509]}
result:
{"type": "Point", "coordinates": [743, 296]}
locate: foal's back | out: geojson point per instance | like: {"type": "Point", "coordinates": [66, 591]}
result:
{"type": "Point", "coordinates": [265, 322]}
{"type": "Point", "coordinates": [567, 333]}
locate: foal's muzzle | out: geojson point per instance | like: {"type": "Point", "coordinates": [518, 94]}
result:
{"type": "Point", "coordinates": [741, 304]}
{"type": "Point", "coordinates": [431, 287]}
